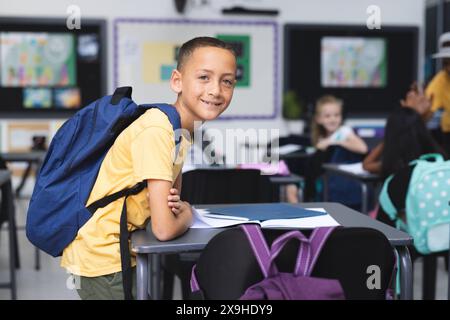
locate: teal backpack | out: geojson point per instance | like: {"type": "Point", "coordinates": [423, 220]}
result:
{"type": "Point", "coordinates": [427, 204]}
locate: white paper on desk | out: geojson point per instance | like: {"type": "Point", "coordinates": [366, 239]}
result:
{"type": "Point", "coordinates": [200, 221]}
{"type": "Point", "coordinates": [288, 148]}
{"type": "Point", "coordinates": [307, 223]}
{"type": "Point", "coordinates": [355, 168]}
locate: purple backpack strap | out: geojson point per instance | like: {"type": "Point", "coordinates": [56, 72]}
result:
{"type": "Point", "coordinates": [303, 256]}
{"type": "Point", "coordinates": [317, 240]}
{"type": "Point", "coordinates": [259, 246]}
{"type": "Point", "coordinates": [309, 249]}
{"type": "Point", "coordinates": [194, 283]}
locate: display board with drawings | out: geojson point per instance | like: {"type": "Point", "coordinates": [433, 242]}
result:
{"type": "Point", "coordinates": [145, 52]}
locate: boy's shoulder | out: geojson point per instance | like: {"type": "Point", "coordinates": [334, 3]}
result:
{"type": "Point", "coordinates": [153, 118]}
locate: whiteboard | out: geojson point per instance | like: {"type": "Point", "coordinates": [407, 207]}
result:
{"type": "Point", "coordinates": [145, 54]}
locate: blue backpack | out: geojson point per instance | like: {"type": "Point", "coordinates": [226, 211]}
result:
{"type": "Point", "coordinates": [57, 209]}
{"type": "Point", "coordinates": [427, 204]}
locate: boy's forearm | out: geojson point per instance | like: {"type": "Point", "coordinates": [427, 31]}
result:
{"type": "Point", "coordinates": [166, 224]}
{"type": "Point", "coordinates": [171, 226]}
{"type": "Point", "coordinates": [182, 222]}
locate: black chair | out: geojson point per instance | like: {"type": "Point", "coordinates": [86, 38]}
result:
{"type": "Point", "coordinates": [7, 214]}
{"type": "Point", "coordinates": [429, 271]}
{"type": "Point", "coordinates": [214, 186]}
{"type": "Point", "coordinates": [227, 266]}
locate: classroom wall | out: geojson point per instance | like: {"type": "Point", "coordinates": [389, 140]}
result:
{"type": "Point", "coordinates": [393, 12]}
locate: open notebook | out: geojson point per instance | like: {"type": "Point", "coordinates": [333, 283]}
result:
{"type": "Point", "coordinates": [204, 218]}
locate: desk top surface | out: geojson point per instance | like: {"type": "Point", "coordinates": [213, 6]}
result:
{"type": "Point", "coordinates": [291, 178]}
{"type": "Point", "coordinates": [143, 241]}
{"type": "Point", "coordinates": [334, 168]}
{"type": "Point", "coordinates": [5, 175]}
{"type": "Point", "coordinates": [24, 156]}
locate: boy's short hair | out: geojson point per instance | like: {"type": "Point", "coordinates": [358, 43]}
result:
{"type": "Point", "coordinates": [188, 48]}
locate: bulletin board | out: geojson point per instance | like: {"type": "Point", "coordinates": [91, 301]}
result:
{"type": "Point", "coordinates": [145, 52]}
{"type": "Point", "coordinates": [19, 135]}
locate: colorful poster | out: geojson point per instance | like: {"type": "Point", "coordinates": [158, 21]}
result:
{"type": "Point", "coordinates": [353, 62]}
{"type": "Point", "coordinates": [37, 59]}
{"type": "Point", "coordinates": [241, 45]}
{"type": "Point", "coordinates": [37, 98]}
{"type": "Point", "coordinates": [158, 61]}
{"type": "Point", "coordinates": [67, 98]}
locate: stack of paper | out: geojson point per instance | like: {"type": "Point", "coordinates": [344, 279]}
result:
{"type": "Point", "coordinates": [288, 148]}
{"type": "Point", "coordinates": [355, 168]}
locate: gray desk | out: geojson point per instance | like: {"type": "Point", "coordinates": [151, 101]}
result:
{"type": "Point", "coordinates": [148, 248]}
{"type": "Point", "coordinates": [300, 154]}
{"type": "Point", "coordinates": [33, 157]}
{"type": "Point", "coordinates": [364, 179]}
{"type": "Point", "coordinates": [8, 206]}
{"type": "Point", "coordinates": [283, 181]}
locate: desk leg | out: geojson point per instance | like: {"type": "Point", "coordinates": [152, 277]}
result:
{"type": "Point", "coordinates": [13, 247]}
{"type": "Point", "coordinates": [37, 259]}
{"type": "Point", "coordinates": [325, 187]}
{"type": "Point", "coordinates": [282, 191]}
{"type": "Point", "coordinates": [406, 275]}
{"type": "Point", "coordinates": [365, 198]}
{"type": "Point", "coordinates": [142, 277]}
{"type": "Point", "coordinates": [155, 265]}
{"type": "Point", "coordinates": [24, 179]}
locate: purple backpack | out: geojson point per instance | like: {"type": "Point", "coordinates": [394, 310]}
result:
{"type": "Point", "coordinates": [288, 286]}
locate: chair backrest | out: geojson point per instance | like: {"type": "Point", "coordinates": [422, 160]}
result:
{"type": "Point", "coordinates": [224, 186]}
{"type": "Point", "coordinates": [3, 195]}
{"type": "Point", "coordinates": [227, 266]}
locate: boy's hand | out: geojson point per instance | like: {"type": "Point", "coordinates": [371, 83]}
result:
{"type": "Point", "coordinates": [175, 204]}
{"type": "Point", "coordinates": [174, 201]}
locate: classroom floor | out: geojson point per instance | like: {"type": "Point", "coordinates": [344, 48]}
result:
{"type": "Point", "coordinates": [50, 282]}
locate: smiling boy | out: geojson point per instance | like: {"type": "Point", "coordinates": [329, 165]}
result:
{"type": "Point", "coordinates": [204, 82]}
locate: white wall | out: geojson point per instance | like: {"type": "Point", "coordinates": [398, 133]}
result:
{"type": "Point", "coordinates": [393, 12]}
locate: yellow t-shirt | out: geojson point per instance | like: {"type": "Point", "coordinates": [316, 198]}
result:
{"type": "Point", "coordinates": [142, 151]}
{"type": "Point", "coordinates": [439, 88]}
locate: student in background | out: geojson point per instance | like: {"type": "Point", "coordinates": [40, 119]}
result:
{"type": "Point", "coordinates": [406, 139]}
{"type": "Point", "coordinates": [327, 128]}
{"type": "Point", "coordinates": [204, 83]}
{"type": "Point", "coordinates": [414, 99]}
{"type": "Point", "coordinates": [439, 89]}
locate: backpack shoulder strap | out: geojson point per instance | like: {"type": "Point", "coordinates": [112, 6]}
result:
{"type": "Point", "coordinates": [385, 200]}
{"type": "Point", "coordinates": [169, 110]}
{"type": "Point", "coordinates": [303, 256]}
{"type": "Point", "coordinates": [119, 93]}
{"type": "Point", "coordinates": [174, 118]}
{"type": "Point", "coordinates": [309, 249]}
{"type": "Point", "coordinates": [317, 240]}
{"type": "Point", "coordinates": [259, 246]}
